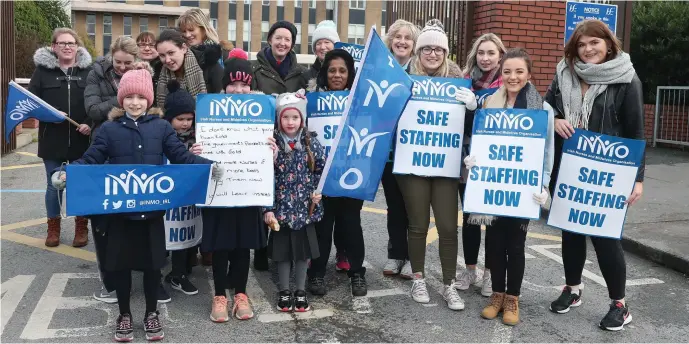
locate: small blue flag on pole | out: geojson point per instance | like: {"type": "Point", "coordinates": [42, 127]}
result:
{"type": "Point", "coordinates": [22, 105]}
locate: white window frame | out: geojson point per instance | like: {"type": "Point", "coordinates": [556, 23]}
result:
{"type": "Point", "coordinates": [265, 2]}
{"type": "Point", "coordinates": [265, 28]}
{"type": "Point", "coordinates": [246, 33]}
{"type": "Point", "coordinates": [91, 30]}
{"type": "Point", "coordinates": [297, 3]}
{"type": "Point", "coordinates": [357, 4]}
{"type": "Point", "coordinates": [124, 25]}
{"type": "Point", "coordinates": [312, 3]}
{"type": "Point", "coordinates": [356, 33]}
{"type": "Point", "coordinates": [232, 30]}
{"type": "Point", "coordinates": [298, 26]}
{"type": "Point", "coordinates": [330, 4]}
{"type": "Point", "coordinates": [162, 27]}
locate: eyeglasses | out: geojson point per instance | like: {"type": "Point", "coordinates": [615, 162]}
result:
{"type": "Point", "coordinates": [146, 45]}
{"type": "Point", "coordinates": [66, 44]}
{"type": "Point", "coordinates": [429, 50]}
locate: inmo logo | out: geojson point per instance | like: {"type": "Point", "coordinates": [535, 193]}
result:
{"type": "Point", "coordinates": [235, 107]}
{"type": "Point", "coordinates": [133, 184]}
{"type": "Point", "coordinates": [22, 108]}
{"type": "Point", "coordinates": [435, 89]}
{"type": "Point", "coordinates": [381, 90]}
{"type": "Point", "coordinates": [502, 120]}
{"type": "Point", "coordinates": [598, 146]}
{"type": "Point", "coordinates": [359, 141]}
{"type": "Point", "coordinates": [354, 51]}
{"type": "Point", "coordinates": [331, 102]}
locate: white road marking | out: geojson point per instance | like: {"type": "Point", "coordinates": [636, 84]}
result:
{"type": "Point", "coordinates": [258, 297]}
{"type": "Point", "coordinates": [501, 333]}
{"type": "Point", "coordinates": [361, 305]}
{"type": "Point", "coordinates": [528, 256]}
{"type": "Point", "coordinates": [313, 314]}
{"type": "Point", "coordinates": [385, 292]}
{"type": "Point", "coordinates": [643, 281]}
{"type": "Point", "coordinates": [52, 300]}
{"type": "Point", "coordinates": [12, 291]}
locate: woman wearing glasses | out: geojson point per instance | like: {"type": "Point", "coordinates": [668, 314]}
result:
{"type": "Point", "coordinates": [146, 41]}
{"type": "Point", "coordinates": [422, 193]}
{"type": "Point", "coordinates": [60, 80]}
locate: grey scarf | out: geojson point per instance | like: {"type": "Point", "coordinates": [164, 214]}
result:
{"type": "Point", "coordinates": [577, 108]}
{"type": "Point", "coordinates": [528, 98]}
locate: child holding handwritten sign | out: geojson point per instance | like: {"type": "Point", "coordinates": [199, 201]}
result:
{"type": "Point", "coordinates": [298, 167]}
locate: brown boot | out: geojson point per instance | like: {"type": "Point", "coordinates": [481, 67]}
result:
{"type": "Point", "coordinates": [510, 315]}
{"type": "Point", "coordinates": [81, 232]}
{"type": "Point", "coordinates": [491, 311]}
{"type": "Point", "coordinates": [53, 238]}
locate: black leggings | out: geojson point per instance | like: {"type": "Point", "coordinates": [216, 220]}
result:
{"type": "Point", "coordinates": [471, 236]}
{"type": "Point", "coordinates": [506, 239]}
{"type": "Point", "coordinates": [123, 283]}
{"type": "Point", "coordinates": [239, 258]}
{"type": "Point", "coordinates": [180, 261]}
{"type": "Point", "coordinates": [610, 259]}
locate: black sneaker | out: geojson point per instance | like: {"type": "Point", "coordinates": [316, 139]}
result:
{"type": "Point", "coordinates": [317, 286]}
{"type": "Point", "coordinates": [359, 287]}
{"type": "Point", "coordinates": [261, 259]}
{"type": "Point", "coordinates": [163, 296]}
{"type": "Point", "coordinates": [153, 327]}
{"type": "Point", "coordinates": [301, 302]}
{"type": "Point", "coordinates": [565, 301]}
{"type": "Point", "coordinates": [124, 332]}
{"type": "Point", "coordinates": [617, 317]}
{"type": "Point", "coordinates": [183, 284]}
{"type": "Point", "coordinates": [284, 301]}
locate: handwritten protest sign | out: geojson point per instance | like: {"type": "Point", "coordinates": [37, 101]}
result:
{"type": "Point", "coordinates": [509, 146]}
{"type": "Point", "coordinates": [431, 129]}
{"type": "Point", "coordinates": [591, 191]}
{"type": "Point", "coordinates": [324, 114]}
{"type": "Point", "coordinates": [233, 129]}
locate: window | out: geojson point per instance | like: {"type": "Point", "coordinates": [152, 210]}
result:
{"type": "Point", "coordinates": [127, 25]}
{"type": "Point", "coordinates": [330, 4]}
{"type": "Point", "coordinates": [143, 24]}
{"type": "Point", "coordinates": [91, 26]}
{"type": "Point", "coordinates": [265, 27]}
{"type": "Point", "coordinates": [356, 34]}
{"type": "Point", "coordinates": [232, 30]}
{"type": "Point", "coordinates": [357, 4]}
{"type": "Point", "coordinates": [107, 33]}
{"type": "Point", "coordinates": [162, 24]}
{"type": "Point", "coordinates": [266, 2]}
{"type": "Point", "coordinates": [281, 3]}
{"type": "Point", "coordinates": [214, 22]}
{"type": "Point", "coordinates": [297, 3]}
{"type": "Point", "coordinates": [312, 28]}
{"type": "Point", "coordinates": [246, 34]}
{"type": "Point", "coordinates": [233, 1]}
{"type": "Point", "coordinates": [298, 26]}
{"type": "Point", "coordinates": [382, 31]}
{"type": "Point", "coordinates": [312, 3]}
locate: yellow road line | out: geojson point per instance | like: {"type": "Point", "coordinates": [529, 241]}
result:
{"type": "Point", "coordinates": [23, 224]}
{"type": "Point", "coordinates": [40, 243]}
{"type": "Point", "coordinates": [27, 154]}
{"type": "Point", "coordinates": [432, 235]}
{"type": "Point", "coordinates": [544, 236]}
{"type": "Point", "coordinates": [19, 166]}
{"type": "Point", "coordinates": [375, 210]}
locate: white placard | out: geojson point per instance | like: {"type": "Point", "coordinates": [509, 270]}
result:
{"type": "Point", "coordinates": [183, 228]}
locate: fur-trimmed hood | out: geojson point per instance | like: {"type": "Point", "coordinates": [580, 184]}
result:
{"type": "Point", "coordinates": [117, 112]}
{"type": "Point", "coordinates": [453, 70]}
{"type": "Point", "coordinates": [46, 58]}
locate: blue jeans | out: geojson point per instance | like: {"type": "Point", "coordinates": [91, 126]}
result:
{"type": "Point", "coordinates": [52, 206]}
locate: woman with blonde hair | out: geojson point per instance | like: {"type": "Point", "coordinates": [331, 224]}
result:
{"type": "Point", "coordinates": [483, 68]}
{"type": "Point", "coordinates": [421, 193]}
{"type": "Point", "coordinates": [197, 29]}
{"type": "Point", "coordinates": [401, 40]}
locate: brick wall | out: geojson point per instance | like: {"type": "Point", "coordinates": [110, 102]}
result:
{"type": "Point", "coordinates": [537, 26]}
{"type": "Point", "coordinates": [673, 123]}
{"type": "Point", "coordinates": [649, 116]}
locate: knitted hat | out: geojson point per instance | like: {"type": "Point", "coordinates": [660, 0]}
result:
{"type": "Point", "coordinates": [238, 53]}
{"type": "Point", "coordinates": [296, 101]}
{"type": "Point", "coordinates": [433, 34]}
{"type": "Point", "coordinates": [283, 24]}
{"type": "Point", "coordinates": [178, 101]}
{"type": "Point", "coordinates": [237, 69]}
{"type": "Point", "coordinates": [325, 30]}
{"type": "Point", "coordinates": [136, 81]}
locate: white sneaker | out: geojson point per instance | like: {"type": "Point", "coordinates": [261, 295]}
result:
{"type": "Point", "coordinates": [454, 302]}
{"type": "Point", "coordinates": [393, 266]}
{"type": "Point", "coordinates": [487, 288]}
{"type": "Point", "coordinates": [406, 271]}
{"type": "Point", "coordinates": [467, 277]}
{"type": "Point", "coordinates": [419, 292]}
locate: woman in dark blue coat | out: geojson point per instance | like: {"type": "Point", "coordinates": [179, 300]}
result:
{"type": "Point", "coordinates": [136, 241]}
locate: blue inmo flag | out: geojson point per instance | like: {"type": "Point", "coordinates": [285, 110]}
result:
{"type": "Point", "coordinates": [22, 105]}
{"type": "Point", "coordinates": [362, 144]}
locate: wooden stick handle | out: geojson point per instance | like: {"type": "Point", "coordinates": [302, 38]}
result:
{"type": "Point", "coordinates": [72, 121]}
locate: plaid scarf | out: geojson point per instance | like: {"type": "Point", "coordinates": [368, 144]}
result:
{"type": "Point", "coordinates": [192, 81]}
{"type": "Point", "coordinates": [114, 79]}
{"type": "Point", "coordinates": [481, 80]}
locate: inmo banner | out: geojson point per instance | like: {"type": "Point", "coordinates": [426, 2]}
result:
{"type": "Point", "coordinates": [357, 52]}
{"type": "Point", "coordinates": [234, 131]}
{"type": "Point", "coordinates": [362, 143]}
{"type": "Point", "coordinates": [509, 146]}
{"type": "Point", "coordinates": [324, 112]}
{"type": "Point", "coordinates": [598, 175]}
{"type": "Point", "coordinates": [431, 129]}
{"type": "Point", "coordinates": [110, 189]}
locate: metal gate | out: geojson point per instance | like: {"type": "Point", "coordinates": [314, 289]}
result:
{"type": "Point", "coordinates": [671, 123]}
{"type": "Point", "coordinates": [6, 67]}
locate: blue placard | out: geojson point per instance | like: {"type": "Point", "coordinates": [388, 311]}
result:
{"type": "Point", "coordinates": [110, 189]}
{"type": "Point", "coordinates": [324, 111]}
{"type": "Point", "coordinates": [482, 95]}
{"type": "Point", "coordinates": [356, 50]}
{"type": "Point", "coordinates": [510, 122]}
{"type": "Point", "coordinates": [579, 11]}
{"type": "Point", "coordinates": [235, 108]}
{"type": "Point", "coordinates": [590, 194]}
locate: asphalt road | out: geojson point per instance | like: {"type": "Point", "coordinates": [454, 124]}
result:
{"type": "Point", "coordinates": [46, 292]}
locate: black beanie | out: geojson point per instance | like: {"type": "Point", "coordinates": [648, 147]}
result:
{"type": "Point", "coordinates": [237, 69]}
{"type": "Point", "coordinates": [178, 101]}
{"type": "Point", "coordinates": [283, 24]}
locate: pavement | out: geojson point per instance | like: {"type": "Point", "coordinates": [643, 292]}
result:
{"type": "Point", "coordinates": [46, 292]}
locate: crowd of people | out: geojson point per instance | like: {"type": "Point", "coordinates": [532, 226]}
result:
{"type": "Point", "coordinates": [136, 105]}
